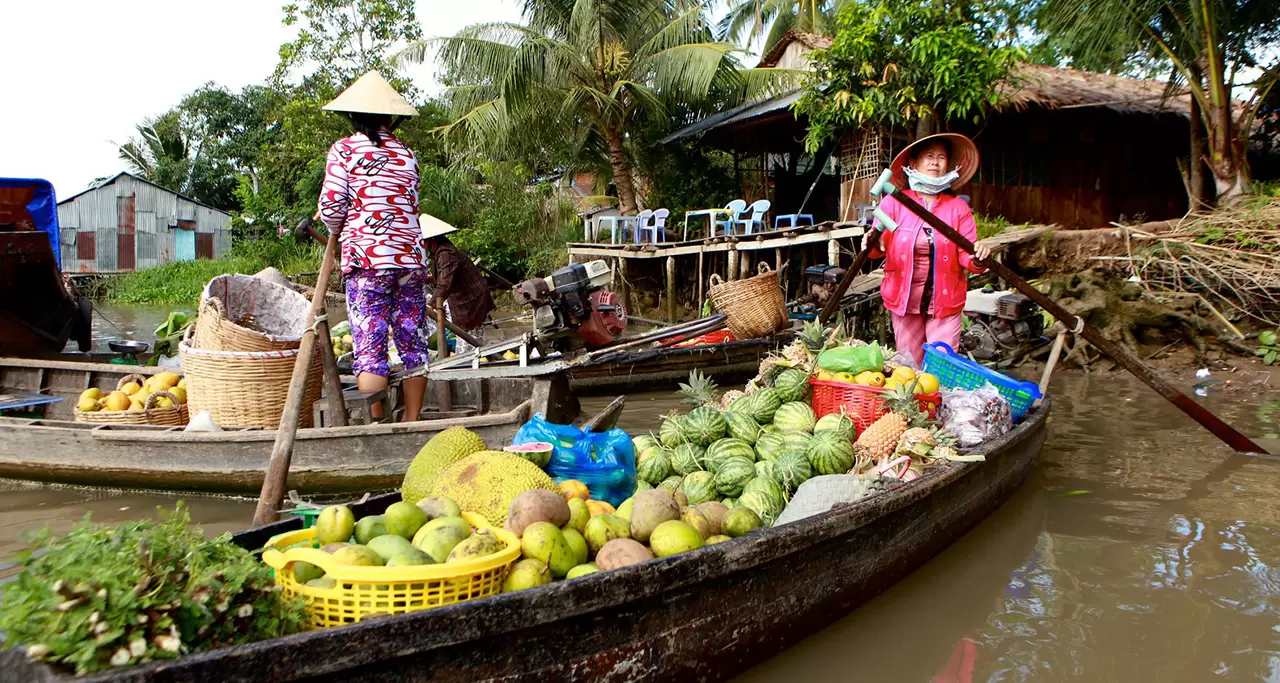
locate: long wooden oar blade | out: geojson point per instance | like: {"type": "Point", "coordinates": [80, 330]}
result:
{"type": "Point", "coordinates": [1197, 412]}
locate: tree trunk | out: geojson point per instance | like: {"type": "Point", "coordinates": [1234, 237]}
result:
{"type": "Point", "coordinates": [1195, 165]}
{"type": "Point", "coordinates": [621, 173]}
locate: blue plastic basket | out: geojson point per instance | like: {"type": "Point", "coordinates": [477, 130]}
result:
{"type": "Point", "coordinates": [957, 372]}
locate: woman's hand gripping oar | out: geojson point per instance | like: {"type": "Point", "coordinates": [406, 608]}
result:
{"type": "Point", "coordinates": [1197, 412]}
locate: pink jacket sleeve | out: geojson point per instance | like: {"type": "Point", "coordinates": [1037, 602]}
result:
{"type": "Point", "coordinates": [966, 226]}
{"type": "Point", "coordinates": [334, 193]}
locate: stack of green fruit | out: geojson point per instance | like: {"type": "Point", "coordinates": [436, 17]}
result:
{"type": "Point", "coordinates": [561, 539]}
{"type": "Point", "coordinates": [754, 454]}
{"type": "Point", "coordinates": [431, 532]}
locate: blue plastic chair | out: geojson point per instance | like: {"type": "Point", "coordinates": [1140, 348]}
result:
{"type": "Point", "coordinates": [792, 220]}
{"type": "Point", "coordinates": [758, 209]}
{"type": "Point", "coordinates": [735, 208]}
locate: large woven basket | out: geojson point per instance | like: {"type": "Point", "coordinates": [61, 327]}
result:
{"type": "Point", "coordinates": [753, 307]}
{"type": "Point", "coordinates": [173, 416]}
{"type": "Point", "coordinates": [245, 313]}
{"type": "Point", "coordinates": [245, 388]}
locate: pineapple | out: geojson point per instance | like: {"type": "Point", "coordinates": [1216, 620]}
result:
{"type": "Point", "coordinates": [700, 391]}
{"type": "Point", "coordinates": [729, 396]}
{"type": "Point", "coordinates": [881, 438]}
{"type": "Point", "coordinates": [814, 337]}
{"type": "Point", "coordinates": [916, 442]}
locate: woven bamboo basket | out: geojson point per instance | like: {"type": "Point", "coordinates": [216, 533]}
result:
{"type": "Point", "coordinates": [245, 388]}
{"type": "Point", "coordinates": [753, 307]}
{"type": "Point", "coordinates": [244, 313]}
{"type": "Point", "coordinates": [172, 416]}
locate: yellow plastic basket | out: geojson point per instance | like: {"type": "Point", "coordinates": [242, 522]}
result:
{"type": "Point", "coordinates": [363, 591]}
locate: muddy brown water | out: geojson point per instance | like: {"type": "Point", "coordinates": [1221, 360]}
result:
{"type": "Point", "coordinates": [1139, 550]}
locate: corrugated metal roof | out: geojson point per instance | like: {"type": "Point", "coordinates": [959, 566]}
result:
{"type": "Point", "coordinates": [122, 174]}
{"type": "Point", "coordinates": [737, 114]}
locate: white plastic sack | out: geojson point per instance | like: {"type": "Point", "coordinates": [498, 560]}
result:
{"type": "Point", "coordinates": [977, 416]}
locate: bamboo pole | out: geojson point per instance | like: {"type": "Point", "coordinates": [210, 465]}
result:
{"type": "Point", "coordinates": [273, 484]}
{"type": "Point", "coordinates": [444, 397]}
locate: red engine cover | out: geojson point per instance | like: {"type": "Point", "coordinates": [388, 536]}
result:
{"type": "Point", "coordinates": [603, 327]}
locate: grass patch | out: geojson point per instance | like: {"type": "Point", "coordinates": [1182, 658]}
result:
{"type": "Point", "coordinates": [181, 283]}
{"type": "Point", "coordinates": [990, 226]}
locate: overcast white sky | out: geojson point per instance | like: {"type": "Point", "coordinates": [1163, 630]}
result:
{"type": "Point", "coordinates": [77, 75]}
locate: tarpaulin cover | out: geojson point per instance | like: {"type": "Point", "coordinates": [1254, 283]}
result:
{"type": "Point", "coordinates": [41, 208]}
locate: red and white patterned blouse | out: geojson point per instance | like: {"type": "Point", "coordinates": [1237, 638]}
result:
{"type": "Point", "coordinates": [370, 193]}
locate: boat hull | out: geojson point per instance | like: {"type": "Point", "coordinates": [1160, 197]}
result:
{"type": "Point", "coordinates": [703, 615]}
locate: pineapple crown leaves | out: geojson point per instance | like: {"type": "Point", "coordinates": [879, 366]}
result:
{"type": "Point", "coordinates": [814, 335]}
{"type": "Point", "coordinates": [902, 401]}
{"type": "Point", "coordinates": [699, 391]}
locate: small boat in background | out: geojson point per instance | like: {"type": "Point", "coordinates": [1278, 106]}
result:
{"type": "Point", "coordinates": [37, 313]}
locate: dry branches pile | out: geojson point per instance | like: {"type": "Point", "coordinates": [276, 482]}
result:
{"type": "Point", "coordinates": [1230, 257]}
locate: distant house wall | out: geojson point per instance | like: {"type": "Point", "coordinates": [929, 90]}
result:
{"type": "Point", "coordinates": [130, 224]}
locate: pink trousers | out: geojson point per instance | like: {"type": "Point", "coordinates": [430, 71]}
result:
{"type": "Point", "coordinates": [912, 330]}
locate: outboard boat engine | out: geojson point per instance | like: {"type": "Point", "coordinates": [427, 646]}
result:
{"type": "Point", "coordinates": [1001, 324]}
{"type": "Point", "coordinates": [572, 308]}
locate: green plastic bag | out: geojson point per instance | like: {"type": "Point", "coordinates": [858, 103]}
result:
{"type": "Point", "coordinates": [852, 359]}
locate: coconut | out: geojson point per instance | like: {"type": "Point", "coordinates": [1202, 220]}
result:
{"type": "Point", "coordinates": [536, 505]}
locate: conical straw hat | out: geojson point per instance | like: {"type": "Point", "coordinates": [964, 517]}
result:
{"type": "Point", "coordinates": [964, 156]}
{"type": "Point", "coordinates": [372, 94]}
{"type": "Point", "coordinates": [433, 227]}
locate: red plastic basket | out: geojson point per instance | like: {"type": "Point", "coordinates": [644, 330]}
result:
{"type": "Point", "coordinates": [863, 404]}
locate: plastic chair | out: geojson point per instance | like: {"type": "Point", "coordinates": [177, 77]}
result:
{"type": "Point", "coordinates": [659, 225]}
{"type": "Point", "coordinates": [735, 208]}
{"type": "Point", "coordinates": [639, 221]}
{"type": "Point", "coordinates": [758, 209]}
{"type": "Point", "coordinates": [792, 220]}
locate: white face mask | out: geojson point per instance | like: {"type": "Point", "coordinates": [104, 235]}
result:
{"type": "Point", "coordinates": [927, 184]}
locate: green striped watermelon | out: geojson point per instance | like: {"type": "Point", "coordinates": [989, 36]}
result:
{"type": "Point", "coordinates": [793, 470]}
{"type": "Point", "coordinates": [768, 487]}
{"type": "Point", "coordinates": [829, 453]}
{"type": "Point", "coordinates": [764, 403]}
{"type": "Point", "coordinates": [733, 474]}
{"type": "Point", "coordinates": [704, 425]}
{"type": "Point", "coordinates": [742, 426]}
{"type": "Point", "coordinates": [671, 431]}
{"type": "Point", "coordinates": [642, 485]}
{"type": "Point", "coordinates": [644, 442]}
{"type": "Point", "coordinates": [769, 446]}
{"type": "Point", "coordinates": [792, 385]}
{"type": "Point", "coordinates": [729, 502]}
{"type": "Point", "coordinates": [795, 417]}
{"type": "Point", "coordinates": [687, 458]}
{"type": "Point", "coordinates": [838, 423]}
{"type": "Point", "coordinates": [765, 507]}
{"type": "Point", "coordinates": [654, 466]}
{"type": "Point", "coordinates": [671, 483]}
{"type": "Point", "coordinates": [796, 442]}
{"type": "Point", "coordinates": [769, 469]}
{"type": "Point", "coordinates": [699, 487]}
{"type": "Point", "coordinates": [723, 449]}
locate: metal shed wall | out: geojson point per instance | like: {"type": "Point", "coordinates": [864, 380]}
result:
{"type": "Point", "coordinates": [156, 214]}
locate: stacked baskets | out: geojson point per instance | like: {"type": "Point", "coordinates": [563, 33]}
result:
{"type": "Point", "coordinates": [753, 307]}
{"type": "Point", "coordinates": [239, 357]}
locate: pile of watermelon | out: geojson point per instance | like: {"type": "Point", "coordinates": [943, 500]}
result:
{"type": "Point", "coordinates": [755, 453]}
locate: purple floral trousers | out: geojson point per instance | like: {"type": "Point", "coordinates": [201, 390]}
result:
{"type": "Point", "coordinates": [381, 302]}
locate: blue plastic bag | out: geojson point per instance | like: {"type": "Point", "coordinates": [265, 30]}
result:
{"type": "Point", "coordinates": [604, 461]}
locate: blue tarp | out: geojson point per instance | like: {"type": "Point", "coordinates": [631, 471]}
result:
{"type": "Point", "coordinates": [43, 208]}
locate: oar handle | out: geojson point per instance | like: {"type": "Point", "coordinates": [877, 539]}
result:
{"type": "Point", "coordinates": [1197, 412]}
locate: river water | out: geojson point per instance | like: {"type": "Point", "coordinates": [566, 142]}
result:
{"type": "Point", "coordinates": [1139, 550]}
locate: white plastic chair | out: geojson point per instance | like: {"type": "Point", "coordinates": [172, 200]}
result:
{"type": "Point", "coordinates": [758, 209]}
{"type": "Point", "coordinates": [659, 225]}
{"type": "Point", "coordinates": [735, 209]}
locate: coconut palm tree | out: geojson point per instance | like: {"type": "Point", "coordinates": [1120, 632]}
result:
{"type": "Point", "coordinates": [590, 72]}
{"type": "Point", "coordinates": [750, 20]}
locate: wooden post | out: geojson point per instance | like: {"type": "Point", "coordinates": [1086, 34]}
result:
{"type": "Point", "coordinates": [777, 265]}
{"type": "Point", "coordinates": [701, 284]}
{"type": "Point", "coordinates": [273, 485]}
{"type": "Point", "coordinates": [671, 290]}
{"type": "Point", "coordinates": [332, 380]}
{"type": "Point", "coordinates": [745, 267]}
{"type": "Point", "coordinates": [733, 263]}
{"type": "Point", "coordinates": [444, 395]}
{"type": "Point", "coordinates": [833, 252]}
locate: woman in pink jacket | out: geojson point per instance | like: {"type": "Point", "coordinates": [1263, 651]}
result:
{"type": "Point", "coordinates": [925, 280]}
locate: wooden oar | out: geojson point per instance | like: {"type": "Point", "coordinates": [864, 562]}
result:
{"type": "Point", "coordinates": [1195, 411]}
{"type": "Point", "coordinates": [833, 304]}
{"type": "Point", "coordinates": [273, 486]}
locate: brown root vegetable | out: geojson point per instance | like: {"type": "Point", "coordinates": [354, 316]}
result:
{"type": "Point", "coordinates": [622, 552]}
{"type": "Point", "coordinates": [536, 505]}
{"type": "Point", "coordinates": [714, 511]}
{"type": "Point", "coordinates": [651, 508]}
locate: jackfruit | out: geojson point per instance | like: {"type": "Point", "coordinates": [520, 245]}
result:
{"type": "Point", "coordinates": [444, 449]}
{"type": "Point", "coordinates": [485, 483]}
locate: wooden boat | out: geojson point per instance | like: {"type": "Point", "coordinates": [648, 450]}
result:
{"type": "Point", "coordinates": [662, 367]}
{"type": "Point", "coordinates": [52, 448]}
{"type": "Point", "coordinates": [37, 313]}
{"type": "Point", "coordinates": [702, 615]}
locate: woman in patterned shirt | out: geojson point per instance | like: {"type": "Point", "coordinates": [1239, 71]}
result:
{"type": "Point", "coordinates": [370, 198]}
